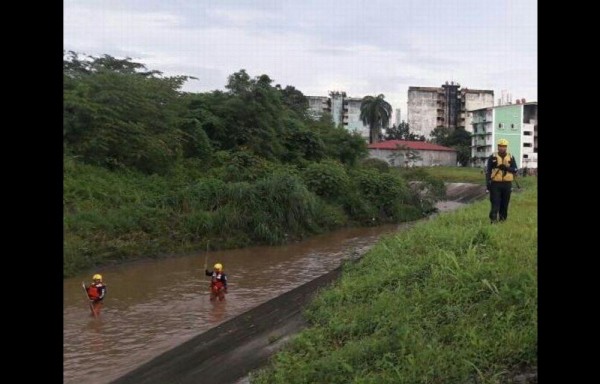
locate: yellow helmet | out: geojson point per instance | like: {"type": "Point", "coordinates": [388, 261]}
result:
{"type": "Point", "coordinates": [97, 276]}
{"type": "Point", "coordinates": [218, 267]}
{"type": "Point", "coordinates": [503, 142]}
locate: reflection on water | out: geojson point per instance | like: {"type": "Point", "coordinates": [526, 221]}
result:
{"type": "Point", "coordinates": [155, 305]}
{"type": "Point", "coordinates": [218, 311]}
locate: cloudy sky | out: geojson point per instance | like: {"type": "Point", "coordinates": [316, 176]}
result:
{"type": "Point", "coordinates": [362, 47]}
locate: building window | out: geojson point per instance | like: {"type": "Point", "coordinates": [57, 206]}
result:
{"type": "Point", "coordinates": [512, 126]}
{"type": "Point", "coordinates": [527, 133]}
{"type": "Point", "coordinates": [527, 145]}
{"type": "Point", "coordinates": [499, 125]}
{"type": "Point", "coordinates": [526, 156]}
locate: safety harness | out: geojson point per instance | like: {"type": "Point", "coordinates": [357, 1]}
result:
{"type": "Point", "coordinates": [504, 176]}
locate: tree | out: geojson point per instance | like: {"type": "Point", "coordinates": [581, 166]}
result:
{"type": "Point", "coordinates": [294, 99]}
{"type": "Point", "coordinates": [253, 115]}
{"type": "Point", "coordinates": [348, 147]}
{"type": "Point", "coordinates": [74, 66]}
{"type": "Point", "coordinates": [402, 132]}
{"type": "Point", "coordinates": [375, 112]}
{"type": "Point", "coordinates": [397, 132]}
{"type": "Point", "coordinates": [458, 139]}
{"type": "Point", "coordinates": [118, 114]}
{"type": "Point", "coordinates": [439, 135]}
{"type": "Point", "coordinates": [239, 83]}
{"type": "Point", "coordinates": [337, 93]}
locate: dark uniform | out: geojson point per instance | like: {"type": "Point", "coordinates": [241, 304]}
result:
{"type": "Point", "coordinates": [499, 175]}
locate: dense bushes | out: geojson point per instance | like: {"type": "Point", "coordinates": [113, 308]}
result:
{"type": "Point", "coordinates": [152, 170]}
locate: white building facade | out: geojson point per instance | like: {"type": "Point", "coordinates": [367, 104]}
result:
{"type": "Point", "coordinates": [344, 111]}
{"type": "Point", "coordinates": [410, 153]}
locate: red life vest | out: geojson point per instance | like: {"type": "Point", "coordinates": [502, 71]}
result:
{"type": "Point", "coordinates": [216, 286]}
{"type": "Point", "coordinates": [92, 292]}
{"type": "Point", "coordinates": [217, 282]}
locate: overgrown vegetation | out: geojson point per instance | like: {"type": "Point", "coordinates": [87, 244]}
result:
{"type": "Point", "coordinates": [151, 170]}
{"type": "Point", "coordinates": [459, 139]}
{"type": "Point", "coordinates": [451, 174]}
{"type": "Point", "coordinates": [402, 132]}
{"type": "Point", "coordinates": [452, 300]}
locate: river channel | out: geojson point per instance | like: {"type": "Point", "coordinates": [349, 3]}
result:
{"type": "Point", "coordinates": [152, 306]}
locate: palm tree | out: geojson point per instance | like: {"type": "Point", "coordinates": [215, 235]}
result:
{"type": "Point", "coordinates": [376, 113]}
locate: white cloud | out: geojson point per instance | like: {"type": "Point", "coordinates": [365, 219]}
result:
{"type": "Point", "coordinates": [242, 17]}
{"type": "Point", "coordinates": [316, 46]}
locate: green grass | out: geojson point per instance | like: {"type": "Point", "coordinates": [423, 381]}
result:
{"type": "Point", "coordinates": [457, 174]}
{"type": "Point", "coordinates": [452, 300]}
{"type": "Point", "coordinates": [115, 216]}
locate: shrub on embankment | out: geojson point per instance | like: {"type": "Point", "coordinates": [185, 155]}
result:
{"type": "Point", "coordinates": [116, 215]}
{"type": "Point", "coordinates": [452, 300]}
{"type": "Point", "coordinates": [150, 169]}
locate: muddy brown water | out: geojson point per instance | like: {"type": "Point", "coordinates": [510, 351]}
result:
{"type": "Point", "coordinates": [155, 305]}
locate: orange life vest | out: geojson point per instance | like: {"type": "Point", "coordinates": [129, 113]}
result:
{"type": "Point", "coordinates": [92, 292]}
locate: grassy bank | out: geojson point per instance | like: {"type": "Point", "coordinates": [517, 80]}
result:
{"type": "Point", "coordinates": [447, 174]}
{"type": "Point", "coordinates": [452, 300]}
{"type": "Point", "coordinates": [122, 215]}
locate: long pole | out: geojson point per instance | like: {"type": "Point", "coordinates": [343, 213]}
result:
{"type": "Point", "coordinates": [206, 257]}
{"type": "Point", "coordinates": [88, 299]}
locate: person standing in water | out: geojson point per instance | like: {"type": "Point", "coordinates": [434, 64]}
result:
{"type": "Point", "coordinates": [218, 282]}
{"type": "Point", "coordinates": [96, 292]}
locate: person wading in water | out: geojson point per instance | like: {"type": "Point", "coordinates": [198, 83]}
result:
{"type": "Point", "coordinates": [218, 282]}
{"type": "Point", "coordinates": [96, 292]}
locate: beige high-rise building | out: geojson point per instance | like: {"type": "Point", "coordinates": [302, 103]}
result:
{"type": "Point", "coordinates": [446, 106]}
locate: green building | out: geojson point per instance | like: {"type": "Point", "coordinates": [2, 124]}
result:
{"type": "Point", "coordinates": [516, 123]}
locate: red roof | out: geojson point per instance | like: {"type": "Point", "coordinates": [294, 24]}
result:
{"type": "Point", "coordinates": [417, 145]}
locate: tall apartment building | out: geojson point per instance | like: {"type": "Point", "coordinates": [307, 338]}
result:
{"type": "Point", "coordinates": [397, 117]}
{"type": "Point", "coordinates": [516, 123]}
{"type": "Point", "coordinates": [445, 106]}
{"type": "Point", "coordinates": [343, 109]}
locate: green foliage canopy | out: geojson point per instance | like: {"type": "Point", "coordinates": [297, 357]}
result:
{"type": "Point", "coordinates": [376, 113]}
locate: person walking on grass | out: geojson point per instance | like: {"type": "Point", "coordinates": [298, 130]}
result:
{"type": "Point", "coordinates": [218, 282]}
{"type": "Point", "coordinates": [500, 173]}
